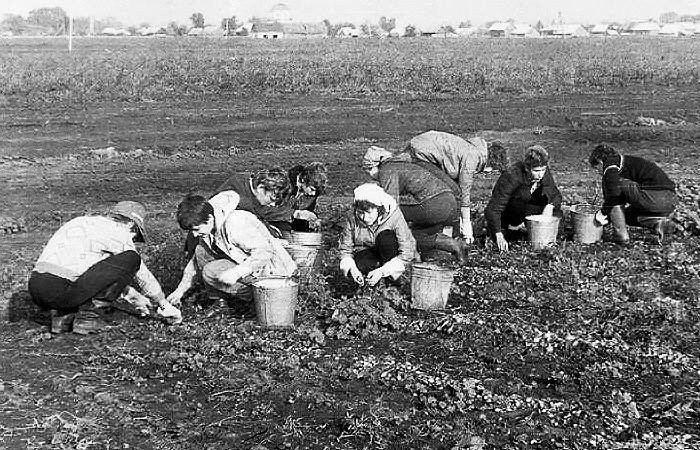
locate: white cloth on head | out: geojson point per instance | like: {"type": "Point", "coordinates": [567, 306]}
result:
{"type": "Point", "coordinates": [374, 194]}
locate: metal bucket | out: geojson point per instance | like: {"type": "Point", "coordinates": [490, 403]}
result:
{"type": "Point", "coordinates": [586, 230]}
{"type": "Point", "coordinates": [430, 286]}
{"type": "Point", "coordinates": [305, 238]}
{"type": "Point", "coordinates": [307, 257]}
{"type": "Point", "coordinates": [275, 302]}
{"type": "Point", "coordinates": [542, 230]}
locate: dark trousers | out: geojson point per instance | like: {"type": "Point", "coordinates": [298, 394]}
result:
{"type": "Point", "coordinates": [644, 202]}
{"type": "Point", "coordinates": [106, 279]}
{"type": "Point", "coordinates": [386, 248]}
{"type": "Point", "coordinates": [428, 218]}
{"type": "Point", "coordinates": [518, 209]}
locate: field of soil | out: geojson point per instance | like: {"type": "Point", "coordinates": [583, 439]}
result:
{"type": "Point", "coordinates": [575, 347]}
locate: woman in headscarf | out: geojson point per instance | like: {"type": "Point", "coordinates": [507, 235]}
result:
{"type": "Point", "coordinates": [375, 242]}
{"type": "Point", "coordinates": [525, 189]}
{"type": "Point", "coordinates": [431, 205]}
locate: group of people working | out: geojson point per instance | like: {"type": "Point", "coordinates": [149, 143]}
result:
{"type": "Point", "coordinates": [418, 195]}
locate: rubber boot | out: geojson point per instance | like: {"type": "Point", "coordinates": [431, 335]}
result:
{"type": "Point", "coordinates": [457, 247]}
{"type": "Point", "coordinates": [617, 220]}
{"type": "Point", "coordinates": [662, 226]}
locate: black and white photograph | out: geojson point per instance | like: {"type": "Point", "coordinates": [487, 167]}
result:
{"type": "Point", "coordinates": [350, 224]}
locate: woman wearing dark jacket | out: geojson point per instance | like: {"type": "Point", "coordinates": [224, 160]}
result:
{"type": "Point", "coordinates": [432, 205]}
{"type": "Point", "coordinates": [526, 188]}
{"type": "Point", "coordinates": [635, 191]}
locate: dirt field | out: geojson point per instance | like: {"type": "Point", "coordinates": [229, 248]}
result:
{"type": "Point", "coordinates": [577, 347]}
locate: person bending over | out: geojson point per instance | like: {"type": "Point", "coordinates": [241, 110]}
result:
{"type": "Point", "coordinates": [263, 194]}
{"type": "Point", "coordinates": [307, 184]}
{"type": "Point", "coordinates": [94, 259]}
{"type": "Point", "coordinates": [234, 248]}
{"type": "Point", "coordinates": [525, 189]}
{"type": "Point", "coordinates": [375, 242]}
{"type": "Point", "coordinates": [431, 203]}
{"type": "Point", "coordinates": [460, 159]}
{"type": "Point", "coordinates": [635, 191]}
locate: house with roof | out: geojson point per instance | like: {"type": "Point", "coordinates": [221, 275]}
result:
{"type": "Point", "coordinates": [647, 28]}
{"type": "Point", "coordinates": [524, 30]}
{"type": "Point", "coordinates": [277, 30]}
{"type": "Point", "coordinates": [677, 29]}
{"type": "Point", "coordinates": [548, 31]}
{"type": "Point", "coordinates": [604, 29]}
{"type": "Point", "coordinates": [348, 32]}
{"type": "Point", "coordinates": [501, 29]}
{"type": "Point", "coordinates": [570, 30]}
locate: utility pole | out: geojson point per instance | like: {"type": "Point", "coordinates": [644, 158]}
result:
{"type": "Point", "coordinates": [70, 33]}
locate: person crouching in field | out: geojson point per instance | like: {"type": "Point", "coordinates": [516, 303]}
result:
{"type": "Point", "coordinates": [263, 194]}
{"type": "Point", "coordinates": [375, 242]}
{"type": "Point", "coordinates": [433, 204]}
{"type": "Point", "coordinates": [525, 189]}
{"type": "Point", "coordinates": [94, 259]}
{"type": "Point", "coordinates": [635, 191]}
{"type": "Point", "coordinates": [233, 249]}
{"type": "Point", "coordinates": [459, 159]}
{"type": "Point", "coordinates": [308, 182]}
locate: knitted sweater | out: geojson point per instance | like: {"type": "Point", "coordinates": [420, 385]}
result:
{"type": "Point", "coordinates": [645, 173]}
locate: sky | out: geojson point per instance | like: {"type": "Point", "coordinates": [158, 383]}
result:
{"type": "Point", "coordinates": [426, 12]}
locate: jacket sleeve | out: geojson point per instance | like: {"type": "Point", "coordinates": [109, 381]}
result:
{"type": "Point", "coordinates": [550, 189]}
{"type": "Point", "coordinates": [389, 181]}
{"type": "Point", "coordinates": [254, 240]}
{"type": "Point", "coordinates": [502, 192]}
{"type": "Point", "coordinates": [346, 243]}
{"type": "Point", "coordinates": [467, 167]}
{"type": "Point", "coordinates": [612, 194]}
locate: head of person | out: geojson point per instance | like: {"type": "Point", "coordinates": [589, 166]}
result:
{"type": "Point", "coordinates": [536, 161]}
{"type": "Point", "coordinates": [313, 179]}
{"type": "Point", "coordinates": [131, 215]}
{"type": "Point", "coordinates": [600, 154]}
{"type": "Point", "coordinates": [369, 203]}
{"type": "Point", "coordinates": [270, 186]}
{"type": "Point", "coordinates": [373, 158]}
{"type": "Point", "coordinates": [195, 214]}
{"type": "Point", "coordinates": [497, 156]}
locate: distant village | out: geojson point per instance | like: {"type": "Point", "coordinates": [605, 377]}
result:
{"type": "Point", "coordinates": [279, 23]}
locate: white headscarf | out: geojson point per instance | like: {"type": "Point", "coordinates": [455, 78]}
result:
{"type": "Point", "coordinates": [375, 156]}
{"type": "Point", "coordinates": [374, 194]}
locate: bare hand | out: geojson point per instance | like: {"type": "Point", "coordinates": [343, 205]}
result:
{"type": "Point", "coordinates": [175, 298]}
{"type": "Point", "coordinates": [170, 313]}
{"type": "Point", "coordinates": [501, 242]}
{"type": "Point", "coordinates": [303, 214]}
{"type": "Point", "coordinates": [356, 275]}
{"type": "Point", "coordinates": [548, 210]}
{"type": "Point", "coordinates": [600, 218]}
{"type": "Point", "coordinates": [374, 276]}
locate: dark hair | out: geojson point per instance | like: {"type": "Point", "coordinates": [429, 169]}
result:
{"type": "Point", "coordinates": [601, 153]}
{"type": "Point", "coordinates": [193, 210]}
{"type": "Point", "coordinates": [366, 205]}
{"type": "Point", "coordinates": [274, 180]}
{"type": "Point", "coordinates": [497, 156]}
{"type": "Point", "coordinates": [315, 175]}
{"type": "Point", "coordinates": [536, 156]}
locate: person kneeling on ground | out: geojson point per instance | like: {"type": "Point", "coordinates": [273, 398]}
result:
{"type": "Point", "coordinates": [432, 205]}
{"type": "Point", "coordinates": [635, 191]}
{"type": "Point", "coordinates": [527, 188]}
{"type": "Point", "coordinates": [234, 248]}
{"type": "Point", "coordinates": [460, 159]}
{"type": "Point", "coordinates": [93, 258]}
{"type": "Point", "coordinates": [263, 194]}
{"type": "Point", "coordinates": [375, 242]}
{"type": "Point", "coordinates": [308, 183]}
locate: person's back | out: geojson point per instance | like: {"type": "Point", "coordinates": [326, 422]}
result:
{"type": "Point", "coordinates": [453, 154]}
{"type": "Point", "coordinates": [80, 243]}
{"type": "Point", "coordinates": [405, 178]}
{"type": "Point", "coordinates": [646, 173]}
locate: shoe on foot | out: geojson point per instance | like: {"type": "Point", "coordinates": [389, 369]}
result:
{"type": "Point", "coordinates": [61, 322]}
{"type": "Point", "coordinates": [87, 322]}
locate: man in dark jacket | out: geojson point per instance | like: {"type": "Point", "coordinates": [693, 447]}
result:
{"type": "Point", "coordinates": [635, 191]}
{"type": "Point", "coordinates": [526, 188]}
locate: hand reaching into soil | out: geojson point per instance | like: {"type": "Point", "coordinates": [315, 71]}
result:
{"type": "Point", "coordinates": [501, 242]}
{"type": "Point", "coordinates": [374, 276]}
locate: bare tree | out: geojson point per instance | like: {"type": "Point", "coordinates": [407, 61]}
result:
{"type": "Point", "coordinates": [387, 24]}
